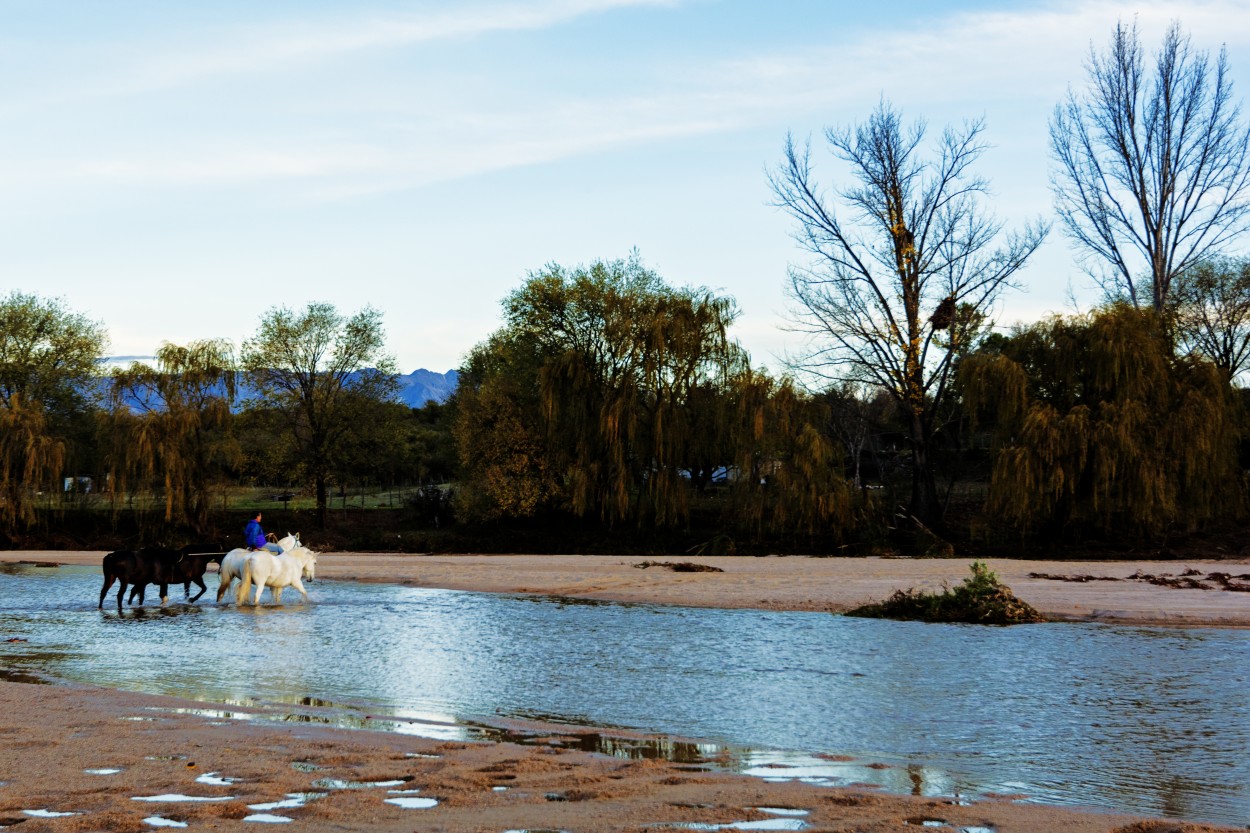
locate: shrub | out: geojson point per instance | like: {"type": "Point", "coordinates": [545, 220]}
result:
{"type": "Point", "coordinates": [981, 600]}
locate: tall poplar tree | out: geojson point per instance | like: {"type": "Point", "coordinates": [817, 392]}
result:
{"type": "Point", "coordinates": [904, 267]}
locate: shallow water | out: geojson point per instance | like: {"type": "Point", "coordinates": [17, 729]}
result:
{"type": "Point", "coordinates": [1143, 720]}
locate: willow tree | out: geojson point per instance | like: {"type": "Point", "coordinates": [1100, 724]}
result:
{"type": "Point", "coordinates": [501, 439]}
{"type": "Point", "coordinates": [29, 456]}
{"type": "Point", "coordinates": [789, 472]}
{"type": "Point", "coordinates": [899, 283]}
{"type": "Point", "coordinates": [1102, 430]}
{"type": "Point", "coordinates": [172, 425]}
{"type": "Point", "coordinates": [1152, 163]}
{"type": "Point", "coordinates": [314, 368]}
{"type": "Point", "coordinates": [597, 393]}
{"type": "Point", "coordinates": [49, 356]}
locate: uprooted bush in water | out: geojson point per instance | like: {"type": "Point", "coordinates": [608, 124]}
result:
{"type": "Point", "coordinates": [981, 600]}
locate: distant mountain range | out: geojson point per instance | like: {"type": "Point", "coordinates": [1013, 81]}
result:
{"type": "Point", "coordinates": [421, 386]}
{"type": "Point", "coordinates": [415, 388]}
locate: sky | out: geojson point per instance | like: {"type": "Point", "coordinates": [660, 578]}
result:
{"type": "Point", "coordinates": [177, 170]}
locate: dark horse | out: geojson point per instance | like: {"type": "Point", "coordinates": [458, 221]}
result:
{"type": "Point", "coordinates": [158, 565]}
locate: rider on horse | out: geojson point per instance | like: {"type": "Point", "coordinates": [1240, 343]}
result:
{"type": "Point", "coordinates": [255, 536]}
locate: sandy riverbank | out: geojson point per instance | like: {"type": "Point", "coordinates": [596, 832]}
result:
{"type": "Point", "coordinates": [794, 583]}
{"type": "Point", "coordinates": [52, 735]}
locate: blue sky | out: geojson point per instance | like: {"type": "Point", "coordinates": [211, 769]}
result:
{"type": "Point", "coordinates": [174, 170]}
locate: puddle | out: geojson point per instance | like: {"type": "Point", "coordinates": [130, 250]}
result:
{"type": "Point", "coordinates": [921, 821]}
{"type": "Point", "coordinates": [158, 821]}
{"type": "Point", "coordinates": [219, 714]}
{"type": "Point", "coordinates": [10, 822]}
{"type": "Point", "coordinates": [783, 811]}
{"type": "Point", "coordinates": [766, 824]}
{"type": "Point", "coordinates": [102, 771]}
{"type": "Point", "coordinates": [48, 814]}
{"type": "Point", "coordinates": [412, 802]}
{"type": "Point", "coordinates": [537, 830]}
{"type": "Point", "coordinates": [268, 818]}
{"type": "Point", "coordinates": [977, 829]}
{"type": "Point", "coordinates": [291, 801]}
{"type": "Point", "coordinates": [340, 784]}
{"type": "Point", "coordinates": [499, 789]}
{"type": "Point", "coordinates": [305, 766]}
{"type": "Point", "coordinates": [216, 780]}
{"type": "Point", "coordinates": [179, 797]}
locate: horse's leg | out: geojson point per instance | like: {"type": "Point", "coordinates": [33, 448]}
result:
{"type": "Point", "coordinates": [223, 584]}
{"type": "Point", "coordinates": [186, 590]}
{"type": "Point", "coordinates": [199, 583]}
{"type": "Point", "coordinates": [121, 591]}
{"type": "Point", "coordinates": [299, 585]}
{"type": "Point", "coordinates": [109, 578]}
{"type": "Point", "coordinates": [276, 590]}
{"type": "Point", "coordinates": [164, 594]}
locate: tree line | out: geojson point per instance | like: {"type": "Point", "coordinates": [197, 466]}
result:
{"type": "Point", "coordinates": [617, 399]}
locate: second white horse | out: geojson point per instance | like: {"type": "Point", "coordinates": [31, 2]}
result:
{"type": "Point", "coordinates": [264, 569]}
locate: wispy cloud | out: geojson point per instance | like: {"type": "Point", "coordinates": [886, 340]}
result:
{"type": "Point", "coordinates": [962, 61]}
{"type": "Point", "coordinates": [278, 47]}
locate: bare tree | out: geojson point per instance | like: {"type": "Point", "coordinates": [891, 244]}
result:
{"type": "Point", "coordinates": [1153, 168]}
{"type": "Point", "coordinates": [900, 285]}
{"type": "Point", "coordinates": [1211, 304]}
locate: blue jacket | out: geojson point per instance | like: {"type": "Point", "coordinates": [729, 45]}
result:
{"type": "Point", "coordinates": [254, 535]}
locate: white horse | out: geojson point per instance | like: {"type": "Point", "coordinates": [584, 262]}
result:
{"type": "Point", "coordinates": [264, 569]}
{"type": "Point", "coordinates": [232, 564]}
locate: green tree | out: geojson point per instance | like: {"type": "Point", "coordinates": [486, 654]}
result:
{"type": "Point", "coordinates": [173, 423]}
{"type": "Point", "coordinates": [1152, 164]}
{"type": "Point", "coordinates": [900, 284]}
{"type": "Point", "coordinates": [594, 396]}
{"type": "Point", "coordinates": [315, 367]}
{"type": "Point", "coordinates": [501, 437]}
{"type": "Point", "coordinates": [1101, 429]}
{"type": "Point", "coordinates": [49, 356]}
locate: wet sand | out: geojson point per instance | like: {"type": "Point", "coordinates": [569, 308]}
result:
{"type": "Point", "coordinates": [51, 735]}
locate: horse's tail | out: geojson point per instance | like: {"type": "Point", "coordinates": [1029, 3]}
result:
{"type": "Point", "coordinates": [245, 582]}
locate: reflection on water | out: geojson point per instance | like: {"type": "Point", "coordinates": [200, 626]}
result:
{"type": "Point", "coordinates": [1140, 720]}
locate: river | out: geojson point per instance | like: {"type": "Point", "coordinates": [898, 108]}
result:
{"type": "Point", "coordinates": [1139, 720]}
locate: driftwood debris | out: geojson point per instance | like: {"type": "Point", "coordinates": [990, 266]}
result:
{"type": "Point", "coordinates": [680, 566]}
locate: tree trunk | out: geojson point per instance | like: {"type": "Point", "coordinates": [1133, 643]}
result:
{"type": "Point", "coordinates": [924, 503]}
{"type": "Point", "coordinates": [321, 500]}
